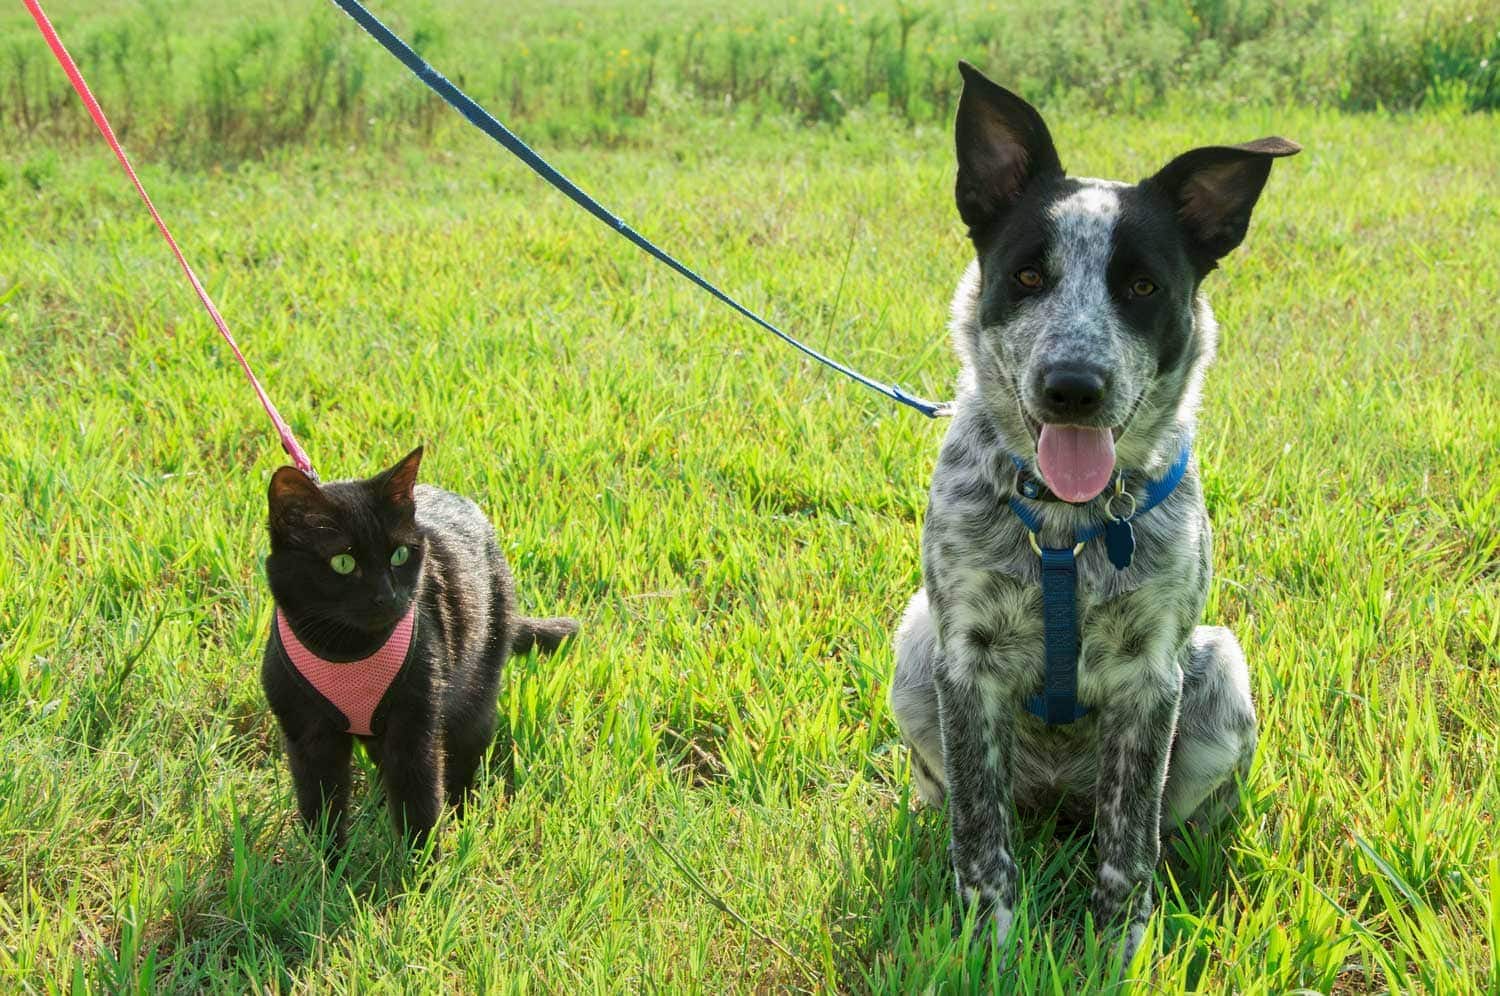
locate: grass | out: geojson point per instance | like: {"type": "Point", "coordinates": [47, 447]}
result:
{"type": "Point", "coordinates": [203, 82]}
{"type": "Point", "coordinates": [708, 795]}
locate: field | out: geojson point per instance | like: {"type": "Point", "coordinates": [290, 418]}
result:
{"type": "Point", "coordinates": [706, 793]}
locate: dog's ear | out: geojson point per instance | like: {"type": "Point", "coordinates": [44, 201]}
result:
{"type": "Point", "coordinates": [1214, 190]}
{"type": "Point", "coordinates": [1003, 144]}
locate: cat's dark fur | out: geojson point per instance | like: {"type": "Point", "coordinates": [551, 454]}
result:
{"type": "Point", "coordinates": [438, 718]}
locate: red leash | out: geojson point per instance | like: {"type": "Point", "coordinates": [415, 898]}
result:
{"type": "Point", "coordinates": [288, 441]}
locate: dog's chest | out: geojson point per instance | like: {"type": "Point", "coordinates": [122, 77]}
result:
{"type": "Point", "coordinates": [995, 618]}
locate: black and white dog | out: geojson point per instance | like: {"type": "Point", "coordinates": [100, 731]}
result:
{"type": "Point", "coordinates": [1083, 340]}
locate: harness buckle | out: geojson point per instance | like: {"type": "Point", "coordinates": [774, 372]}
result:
{"type": "Point", "coordinates": [1037, 547]}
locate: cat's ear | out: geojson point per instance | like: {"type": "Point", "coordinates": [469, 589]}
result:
{"type": "Point", "coordinates": [294, 499]}
{"type": "Point", "coordinates": [1215, 188]}
{"type": "Point", "coordinates": [396, 485]}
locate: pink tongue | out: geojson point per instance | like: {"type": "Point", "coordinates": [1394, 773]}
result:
{"type": "Point", "coordinates": [1076, 463]}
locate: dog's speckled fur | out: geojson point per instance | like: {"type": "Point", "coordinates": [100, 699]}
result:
{"type": "Point", "coordinates": [1172, 725]}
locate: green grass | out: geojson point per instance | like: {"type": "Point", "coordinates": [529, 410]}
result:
{"type": "Point", "coordinates": [707, 791]}
{"type": "Point", "coordinates": [220, 82]}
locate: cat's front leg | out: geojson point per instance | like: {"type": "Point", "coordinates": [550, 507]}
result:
{"type": "Point", "coordinates": [319, 760]}
{"type": "Point", "coordinates": [411, 768]}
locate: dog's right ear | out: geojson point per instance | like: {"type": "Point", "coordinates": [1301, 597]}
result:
{"type": "Point", "coordinates": [1003, 144]}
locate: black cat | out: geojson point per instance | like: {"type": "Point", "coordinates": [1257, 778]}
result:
{"type": "Point", "coordinates": [395, 611]}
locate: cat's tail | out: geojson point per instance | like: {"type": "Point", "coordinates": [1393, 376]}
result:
{"type": "Point", "coordinates": [546, 635]}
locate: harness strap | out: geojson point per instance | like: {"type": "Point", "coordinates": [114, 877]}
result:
{"type": "Point", "coordinates": [512, 143]}
{"type": "Point", "coordinates": [1058, 703]}
{"type": "Point", "coordinates": [1157, 490]}
{"type": "Point", "coordinates": [288, 441]}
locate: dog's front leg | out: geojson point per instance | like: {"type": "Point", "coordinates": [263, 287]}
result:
{"type": "Point", "coordinates": [977, 750]}
{"type": "Point", "coordinates": [1135, 738]}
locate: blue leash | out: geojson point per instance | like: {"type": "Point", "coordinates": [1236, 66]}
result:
{"type": "Point", "coordinates": [487, 123]}
{"type": "Point", "coordinates": [1058, 705]}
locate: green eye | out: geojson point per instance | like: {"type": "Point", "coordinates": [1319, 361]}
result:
{"type": "Point", "coordinates": [399, 555]}
{"type": "Point", "coordinates": [342, 563]}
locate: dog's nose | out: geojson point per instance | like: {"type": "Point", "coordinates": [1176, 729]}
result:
{"type": "Point", "coordinates": [1073, 392]}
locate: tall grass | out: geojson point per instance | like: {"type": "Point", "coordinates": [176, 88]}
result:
{"type": "Point", "coordinates": [195, 82]}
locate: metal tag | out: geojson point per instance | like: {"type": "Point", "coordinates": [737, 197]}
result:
{"type": "Point", "coordinates": [1119, 543]}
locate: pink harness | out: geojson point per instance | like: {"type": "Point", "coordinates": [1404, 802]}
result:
{"type": "Point", "coordinates": [355, 688]}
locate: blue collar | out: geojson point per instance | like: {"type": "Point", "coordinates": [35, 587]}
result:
{"type": "Point", "coordinates": [1057, 705]}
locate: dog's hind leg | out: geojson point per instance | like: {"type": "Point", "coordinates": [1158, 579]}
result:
{"type": "Point", "coordinates": [914, 699]}
{"type": "Point", "coordinates": [1216, 732]}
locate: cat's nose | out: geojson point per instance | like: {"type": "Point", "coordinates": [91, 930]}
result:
{"type": "Point", "coordinates": [385, 594]}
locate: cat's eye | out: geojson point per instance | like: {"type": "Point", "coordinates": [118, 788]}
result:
{"type": "Point", "coordinates": [399, 555]}
{"type": "Point", "coordinates": [342, 563]}
{"type": "Point", "coordinates": [1029, 277]}
{"type": "Point", "coordinates": [1141, 287]}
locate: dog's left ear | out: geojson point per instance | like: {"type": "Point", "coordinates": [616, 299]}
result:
{"type": "Point", "coordinates": [1214, 190]}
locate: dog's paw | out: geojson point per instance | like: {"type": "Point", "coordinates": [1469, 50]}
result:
{"type": "Point", "coordinates": [1002, 917]}
{"type": "Point", "coordinates": [1131, 943]}
{"type": "Point", "coordinates": [1121, 923]}
{"type": "Point", "coordinates": [992, 916]}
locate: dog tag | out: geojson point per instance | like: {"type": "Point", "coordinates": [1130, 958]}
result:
{"type": "Point", "coordinates": [1119, 542]}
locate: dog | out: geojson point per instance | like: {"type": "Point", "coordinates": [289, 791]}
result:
{"type": "Point", "coordinates": [1083, 340]}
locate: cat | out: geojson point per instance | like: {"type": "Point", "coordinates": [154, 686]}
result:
{"type": "Point", "coordinates": [395, 612]}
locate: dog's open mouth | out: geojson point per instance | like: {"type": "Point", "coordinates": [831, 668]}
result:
{"type": "Point", "coordinates": [1076, 461]}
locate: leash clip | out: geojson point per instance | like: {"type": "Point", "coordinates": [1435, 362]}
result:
{"type": "Point", "coordinates": [1119, 537]}
{"type": "Point", "coordinates": [1120, 492]}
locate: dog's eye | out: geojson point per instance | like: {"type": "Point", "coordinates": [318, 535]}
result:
{"type": "Point", "coordinates": [342, 563]}
{"type": "Point", "coordinates": [1029, 277]}
{"type": "Point", "coordinates": [1141, 287]}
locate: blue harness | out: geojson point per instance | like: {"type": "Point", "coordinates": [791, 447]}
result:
{"type": "Point", "coordinates": [1057, 705]}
